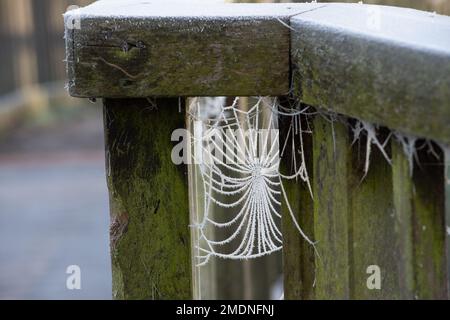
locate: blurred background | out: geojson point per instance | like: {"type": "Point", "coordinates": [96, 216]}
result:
{"type": "Point", "coordinates": [53, 195]}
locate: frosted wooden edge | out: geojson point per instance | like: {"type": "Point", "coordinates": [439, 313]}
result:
{"type": "Point", "coordinates": [156, 9]}
{"type": "Point", "coordinates": [397, 75]}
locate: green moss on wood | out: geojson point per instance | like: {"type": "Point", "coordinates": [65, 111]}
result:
{"type": "Point", "coordinates": [299, 265]}
{"type": "Point", "coordinates": [378, 81]}
{"type": "Point", "coordinates": [150, 238]}
{"type": "Point", "coordinates": [428, 198]}
{"type": "Point", "coordinates": [403, 194]}
{"type": "Point", "coordinates": [331, 153]}
{"type": "Point", "coordinates": [388, 219]}
{"type": "Point", "coordinates": [374, 226]}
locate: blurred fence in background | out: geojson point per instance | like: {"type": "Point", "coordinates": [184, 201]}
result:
{"type": "Point", "coordinates": [32, 49]}
{"type": "Point", "coordinates": [32, 70]}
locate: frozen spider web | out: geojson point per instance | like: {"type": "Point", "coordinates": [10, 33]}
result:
{"type": "Point", "coordinates": [237, 150]}
{"type": "Point", "coordinates": [237, 159]}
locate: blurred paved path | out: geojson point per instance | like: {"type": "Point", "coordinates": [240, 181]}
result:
{"type": "Point", "coordinates": [54, 213]}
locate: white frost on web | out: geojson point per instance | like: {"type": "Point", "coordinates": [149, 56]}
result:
{"type": "Point", "coordinates": [372, 138]}
{"type": "Point", "coordinates": [238, 159]}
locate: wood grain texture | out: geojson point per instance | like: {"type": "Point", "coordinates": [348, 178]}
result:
{"type": "Point", "coordinates": [375, 234]}
{"type": "Point", "coordinates": [389, 219]}
{"type": "Point", "coordinates": [389, 76]}
{"type": "Point", "coordinates": [299, 261]}
{"type": "Point", "coordinates": [197, 50]}
{"type": "Point", "coordinates": [150, 236]}
{"type": "Point", "coordinates": [384, 65]}
{"type": "Point", "coordinates": [429, 226]}
{"type": "Point", "coordinates": [332, 216]}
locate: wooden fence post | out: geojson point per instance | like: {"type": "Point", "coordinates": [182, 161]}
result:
{"type": "Point", "coordinates": [375, 233]}
{"type": "Point", "coordinates": [388, 224]}
{"type": "Point", "coordinates": [150, 236]}
{"type": "Point", "coordinates": [427, 195]}
{"type": "Point", "coordinates": [389, 221]}
{"type": "Point", "coordinates": [324, 216]}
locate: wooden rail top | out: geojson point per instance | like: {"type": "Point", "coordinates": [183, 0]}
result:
{"type": "Point", "coordinates": [152, 49]}
{"type": "Point", "coordinates": [387, 65]}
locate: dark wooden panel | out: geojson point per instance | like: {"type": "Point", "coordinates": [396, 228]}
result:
{"type": "Point", "coordinates": [332, 216]}
{"type": "Point", "coordinates": [150, 236]}
{"type": "Point", "coordinates": [299, 260]}
{"type": "Point", "coordinates": [389, 219]}
{"type": "Point", "coordinates": [144, 49]}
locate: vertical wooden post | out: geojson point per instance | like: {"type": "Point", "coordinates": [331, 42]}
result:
{"type": "Point", "coordinates": [150, 237]}
{"type": "Point", "coordinates": [447, 213]}
{"type": "Point", "coordinates": [324, 217]}
{"type": "Point", "coordinates": [21, 29]}
{"type": "Point", "coordinates": [6, 56]}
{"type": "Point", "coordinates": [376, 233]}
{"type": "Point", "coordinates": [298, 255]}
{"type": "Point", "coordinates": [19, 65]}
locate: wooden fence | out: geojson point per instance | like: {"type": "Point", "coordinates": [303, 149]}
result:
{"type": "Point", "coordinates": [393, 71]}
{"type": "Point", "coordinates": [32, 46]}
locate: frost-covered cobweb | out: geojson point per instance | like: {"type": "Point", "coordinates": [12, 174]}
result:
{"type": "Point", "coordinates": [236, 150]}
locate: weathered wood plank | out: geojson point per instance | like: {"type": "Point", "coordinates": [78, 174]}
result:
{"type": "Point", "coordinates": [299, 265]}
{"type": "Point", "coordinates": [332, 219]}
{"type": "Point", "coordinates": [204, 282]}
{"type": "Point", "coordinates": [389, 219]}
{"type": "Point", "coordinates": [397, 75]}
{"type": "Point", "coordinates": [398, 225]}
{"type": "Point", "coordinates": [385, 65]}
{"type": "Point", "coordinates": [446, 152]}
{"type": "Point", "coordinates": [375, 236]}
{"type": "Point", "coordinates": [429, 228]}
{"type": "Point", "coordinates": [150, 237]}
{"type": "Point", "coordinates": [144, 49]}
{"type": "Point", "coordinates": [447, 213]}
{"type": "Point", "coordinates": [402, 189]}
